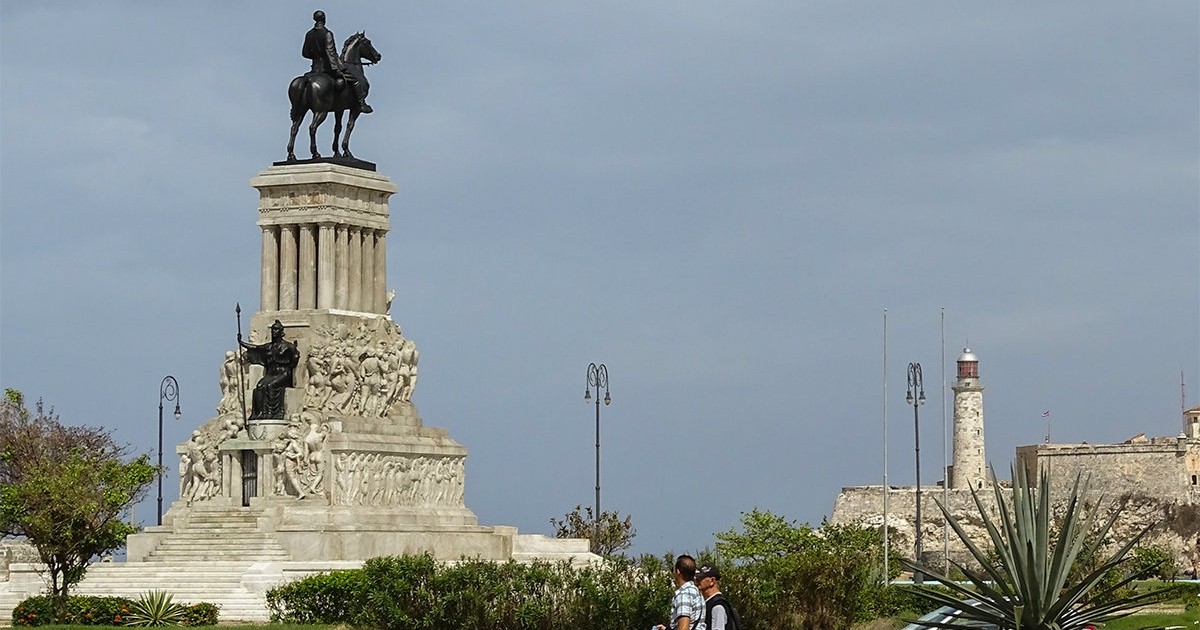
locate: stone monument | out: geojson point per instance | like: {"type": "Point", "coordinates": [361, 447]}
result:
{"type": "Point", "coordinates": [345, 469]}
{"type": "Point", "coordinates": [317, 450]}
{"type": "Point", "coordinates": [317, 459]}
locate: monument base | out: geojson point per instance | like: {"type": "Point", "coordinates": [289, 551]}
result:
{"type": "Point", "coordinates": [351, 162]}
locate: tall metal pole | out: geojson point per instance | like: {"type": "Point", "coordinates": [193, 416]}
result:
{"type": "Point", "coordinates": [945, 456]}
{"type": "Point", "coordinates": [886, 567]}
{"type": "Point", "coordinates": [916, 385]}
{"type": "Point", "coordinates": [597, 378]}
{"type": "Point", "coordinates": [167, 390]}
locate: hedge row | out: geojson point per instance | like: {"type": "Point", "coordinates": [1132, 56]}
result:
{"type": "Point", "coordinates": [97, 611]}
{"type": "Point", "coordinates": [417, 592]}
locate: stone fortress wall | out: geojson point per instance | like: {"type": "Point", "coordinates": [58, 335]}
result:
{"type": "Point", "coordinates": [1157, 480]}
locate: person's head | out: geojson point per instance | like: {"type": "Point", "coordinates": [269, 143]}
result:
{"type": "Point", "coordinates": [319, 17]}
{"type": "Point", "coordinates": [685, 569]}
{"type": "Point", "coordinates": [276, 331]}
{"type": "Point", "coordinates": [707, 578]}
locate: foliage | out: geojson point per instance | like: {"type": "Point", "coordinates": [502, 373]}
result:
{"type": "Point", "coordinates": [331, 598]}
{"type": "Point", "coordinates": [419, 592]}
{"type": "Point", "coordinates": [1153, 563]}
{"type": "Point", "coordinates": [64, 489]}
{"type": "Point", "coordinates": [34, 611]}
{"type": "Point", "coordinates": [896, 600]}
{"type": "Point", "coordinates": [1029, 584]}
{"type": "Point", "coordinates": [98, 611]}
{"type": "Point", "coordinates": [82, 611]}
{"type": "Point", "coordinates": [784, 575]}
{"type": "Point", "coordinates": [607, 535]}
{"type": "Point", "coordinates": [154, 609]}
{"type": "Point", "coordinates": [202, 614]}
{"type": "Point", "coordinates": [15, 399]}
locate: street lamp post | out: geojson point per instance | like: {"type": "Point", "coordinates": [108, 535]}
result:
{"type": "Point", "coordinates": [597, 378]}
{"type": "Point", "coordinates": [916, 387]}
{"type": "Point", "coordinates": [168, 390]}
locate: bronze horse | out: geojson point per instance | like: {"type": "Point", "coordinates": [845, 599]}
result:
{"type": "Point", "coordinates": [321, 93]}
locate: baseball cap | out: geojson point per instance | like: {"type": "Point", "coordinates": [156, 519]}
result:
{"type": "Point", "coordinates": [708, 570]}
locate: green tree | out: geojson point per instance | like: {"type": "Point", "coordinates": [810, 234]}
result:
{"type": "Point", "coordinates": [1153, 563]}
{"type": "Point", "coordinates": [607, 537]}
{"type": "Point", "coordinates": [788, 575]}
{"type": "Point", "coordinates": [64, 488]}
{"type": "Point", "coordinates": [1034, 577]}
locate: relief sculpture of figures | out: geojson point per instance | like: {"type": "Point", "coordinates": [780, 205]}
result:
{"type": "Point", "coordinates": [367, 372]}
{"type": "Point", "coordinates": [279, 358]}
{"type": "Point", "coordinates": [336, 83]}
{"type": "Point", "coordinates": [201, 470]}
{"type": "Point", "coordinates": [379, 480]}
{"type": "Point", "coordinates": [300, 455]}
{"type": "Point", "coordinates": [315, 452]}
{"type": "Point", "coordinates": [229, 384]}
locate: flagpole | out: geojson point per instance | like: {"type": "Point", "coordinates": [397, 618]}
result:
{"type": "Point", "coordinates": [886, 574]}
{"type": "Point", "coordinates": [945, 468]}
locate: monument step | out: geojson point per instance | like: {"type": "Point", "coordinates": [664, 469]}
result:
{"type": "Point", "coordinates": [238, 553]}
{"type": "Point", "coordinates": [193, 580]}
{"type": "Point", "coordinates": [217, 534]}
{"type": "Point", "coordinates": [174, 558]}
{"type": "Point", "coordinates": [220, 545]}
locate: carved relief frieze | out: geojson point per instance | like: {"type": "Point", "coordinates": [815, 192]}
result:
{"type": "Point", "coordinates": [387, 480]}
{"type": "Point", "coordinates": [299, 457]}
{"type": "Point", "coordinates": [200, 467]}
{"type": "Point", "coordinates": [365, 371]}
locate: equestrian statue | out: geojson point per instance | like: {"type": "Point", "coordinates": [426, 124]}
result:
{"type": "Point", "coordinates": [335, 84]}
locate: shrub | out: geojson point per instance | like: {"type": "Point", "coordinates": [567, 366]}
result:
{"type": "Point", "coordinates": [1032, 586]}
{"type": "Point", "coordinates": [418, 592]}
{"type": "Point", "coordinates": [1152, 563]}
{"type": "Point", "coordinates": [34, 611]}
{"type": "Point", "coordinates": [327, 598]}
{"type": "Point", "coordinates": [83, 611]}
{"type": "Point", "coordinates": [202, 614]}
{"type": "Point", "coordinates": [895, 600]}
{"type": "Point", "coordinates": [155, 608]}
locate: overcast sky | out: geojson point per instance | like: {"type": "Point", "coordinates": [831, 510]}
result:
{"type": "Point", "coordinates": [717, 200]}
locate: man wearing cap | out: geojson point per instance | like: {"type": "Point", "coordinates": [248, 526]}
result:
{"type": "Point", "coordinates": [687, 606]}
{"type": "Point", "coordinates": [718, 613]}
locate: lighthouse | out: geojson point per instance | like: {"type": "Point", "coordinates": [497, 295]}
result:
{"type": "Point", "coordinates": [969, 468]}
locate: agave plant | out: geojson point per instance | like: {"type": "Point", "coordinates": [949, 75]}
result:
{"type": "Point", "coordinates": [1023, 583]}
{"type": "Point", "coordinates": [155, 608]}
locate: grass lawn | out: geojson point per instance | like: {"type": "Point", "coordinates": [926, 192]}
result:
{"type": "Point", "coordinates": [1185, 619]}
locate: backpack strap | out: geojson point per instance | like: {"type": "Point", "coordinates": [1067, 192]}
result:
{"type": "Point", "coordinates": [732, 620]}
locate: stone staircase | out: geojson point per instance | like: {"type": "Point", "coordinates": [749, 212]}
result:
{"type": "Point", "coordinates": [217, 535]}
{"type": "Point", "coordinates": [218, 556]}
{"type": "Point", "coordinates": [189, 582]}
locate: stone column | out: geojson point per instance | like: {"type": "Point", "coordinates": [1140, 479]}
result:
{"type": "Point", "coordinates": [380, 272]}
{"type": "Point", "coordinates": [354, 286]}
{"type": "Point", "coordinates": [368, 272]}
{"type": "Point", "coordinates": [287, 267]}
{"type": "Point", "coordinates": [269, 291]}
{"type": "Point", "coordinates": [308, 267]}
{"type": "Point", "coordinates": [342, 267]}
{"type": "Point", "coordinates": [325, 266]}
